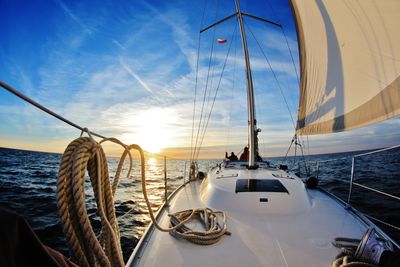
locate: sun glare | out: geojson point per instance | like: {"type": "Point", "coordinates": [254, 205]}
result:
{"type": "Point", "coordinates": [151, 129]}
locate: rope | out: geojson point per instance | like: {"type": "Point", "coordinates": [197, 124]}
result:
{"type": "Point", "coordinates": [209, 218]}
{"type": "Point", "coordinates": [214, 231]}
{"type": "Point", "coordinates": [348, 261]}
{"type": "Point", "coordinates": [203, 133]}
{"type": "Point", "coordinates": [85, 153]}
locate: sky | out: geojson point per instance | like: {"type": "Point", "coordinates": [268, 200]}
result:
{"type": "Point", "coordinates": [131, 70]}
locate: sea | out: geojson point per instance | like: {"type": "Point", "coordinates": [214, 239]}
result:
{"type": "Point", "coordinates": [28, 187]}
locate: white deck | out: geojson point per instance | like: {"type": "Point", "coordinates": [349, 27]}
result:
{"type": "Point", "coordinates": [294, 229]}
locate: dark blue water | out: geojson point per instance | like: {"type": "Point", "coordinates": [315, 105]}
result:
{"type": "Point", "coordinates": [28, 186]}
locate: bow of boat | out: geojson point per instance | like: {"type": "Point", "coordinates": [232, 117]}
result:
{"type": "Point", "coordinates": [273, 218]}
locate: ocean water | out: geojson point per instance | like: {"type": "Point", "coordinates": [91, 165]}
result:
{"type": "Point", "coordinates": [28, 186]}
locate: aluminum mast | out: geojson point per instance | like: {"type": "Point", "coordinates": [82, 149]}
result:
{"type": "Point", "coordinates": [252, 122]}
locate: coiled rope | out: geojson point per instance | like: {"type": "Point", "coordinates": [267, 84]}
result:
{"type": "Point", "coordinates": [349, 261]}
{"type": "Point", "coordinates": [209, 218]}
{"type": "Point", "coordinates": [85, 153]}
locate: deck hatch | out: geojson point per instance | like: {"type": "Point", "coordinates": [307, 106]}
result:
{"type": "Point", "coordinates": [258, 185]}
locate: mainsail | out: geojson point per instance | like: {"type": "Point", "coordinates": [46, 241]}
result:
{"type": "Point", "coordinates": [350, 63]}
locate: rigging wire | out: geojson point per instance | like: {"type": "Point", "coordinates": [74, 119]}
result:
{"type": "Point", "coordinates": [307, 169]}
{"type": "Point", "coordinates": [287, 42]}
{"type": "Point", "coordinates": [276, 17]}
{"type": "Point", "coordinates": [301, 144]}
{"type": "Point", "coordinates": [298, 81]}
{"type": "Point", "coordinates": [302, 153]}
{"type": "Point", "coordinates": [275, 77]}
{"type": "Point", "coordinates": [232, 93]}
{"type": "Point", "coordinates": [205, 93]}
{"type": "Point", "coordinates": [291, 56]}
{"type": "Point", "coordinates": [216, 90]}
{"type": "Point", "coordinates": [43, 108]}
{"type": "Point", "coordinates": [196, 79]}
{"type": "Point", "coordinates": [293, 63]}
{"type": "Point", "coordinates": [290, 146]}
{"type": "Point", "coordinates": [57, 116]}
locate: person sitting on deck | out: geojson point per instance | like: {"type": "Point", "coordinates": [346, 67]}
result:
{"type": "Point", "coordinates": [245, 154]}
{"type": "Point", "coordinates": [232, 157]}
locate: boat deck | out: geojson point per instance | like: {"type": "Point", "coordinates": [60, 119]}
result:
{"type": "Point", "coordinates": [275, 239]}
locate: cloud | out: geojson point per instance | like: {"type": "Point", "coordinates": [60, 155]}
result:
{"type": "Point", "coordinates": [379, 135]}
{"type": "Point", "coordinates": [108, 70]}
{"type": "Point", "coordinates": [135, 76]}
{"type": "Point", "coordinates": [103, 96]}
{"type": "Point", "coordinates": [118, 44]}
{"type": "Point", "coordinates": [74, 17]}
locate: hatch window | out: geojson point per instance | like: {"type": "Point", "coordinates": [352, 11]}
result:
{"type": "Point", "coordinates": [258, 185]}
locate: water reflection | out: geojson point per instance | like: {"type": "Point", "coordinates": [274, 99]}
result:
{"type": "Point", "coordinates": [151, 163]}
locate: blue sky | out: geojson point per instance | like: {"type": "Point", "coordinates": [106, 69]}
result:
{"type": "Point", "coordinates": [127, 69]}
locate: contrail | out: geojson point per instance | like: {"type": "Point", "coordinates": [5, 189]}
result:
{"type": "Point", "coordinates": [73, 16]}
{"type": "Point", "coordinates": [134, 75]}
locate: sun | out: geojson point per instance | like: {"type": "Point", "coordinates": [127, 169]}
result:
{"type": "Point", "coordinates": [152, 146]}
{"type": "Point", "coordinates": [152, 130]}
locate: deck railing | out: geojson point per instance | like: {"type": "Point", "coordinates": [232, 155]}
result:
{"type": "Point", "coordinates": [354, 183]}
{"type": "Point", "coordinates": [363, 186]}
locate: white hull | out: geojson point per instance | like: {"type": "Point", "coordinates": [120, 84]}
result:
{"type": "Point", "coordinates": [287, 229]}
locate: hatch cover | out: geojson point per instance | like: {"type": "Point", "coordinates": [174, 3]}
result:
{"type": "Point", "coordinates": [258, 185]}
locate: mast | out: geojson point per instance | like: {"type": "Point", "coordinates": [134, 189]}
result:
{"type": "Point", "coordinates": [252, 123]}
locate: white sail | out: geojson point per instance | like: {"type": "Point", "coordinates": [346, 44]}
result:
{"type": "Point", "coordinates": [350, 63]}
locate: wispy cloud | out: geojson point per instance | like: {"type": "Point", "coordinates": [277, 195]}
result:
{"type": "Point", "coordinates": [74, 17]}
{"type": "Point", "coordinates": [118, 44]}
{"type": "Point", "coordinates": [107, 70]}
{"type": "Point", "coordinates": [135, 76]}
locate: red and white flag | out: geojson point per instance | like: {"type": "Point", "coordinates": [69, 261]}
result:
{"type": "Point", "coordinates": [221, 41]}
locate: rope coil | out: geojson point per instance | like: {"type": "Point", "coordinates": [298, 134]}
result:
{"type": "Point", "coordinates": [81, 154]}
{"type": "Point", "coordinates": [214, 231]}
{"type": "Point", "coordinates": [85, 153]}
{"type": "Point", "coordinates": [209, 218]}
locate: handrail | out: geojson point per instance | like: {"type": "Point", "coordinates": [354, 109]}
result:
{"type": "Point", "coordinates": [353, 169]}
{"type": "Point", "coordinates": [327, 160]}
{"type": "Point", "coordinates": [377, 151]}
{"type": "Point", "coordinates": [363, 186]}
{"type": "Point", "coordinates": [377, 191]}
{"type": "Point", "coordinates": [353, 183]}
{"type": "Point", "coordinates": [382, 222]}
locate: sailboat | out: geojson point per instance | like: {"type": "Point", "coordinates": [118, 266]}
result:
{"type": "Point", "coordinates": [260, 215]}
{"type": "Point", "coordinates": [267, 216]}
